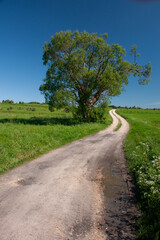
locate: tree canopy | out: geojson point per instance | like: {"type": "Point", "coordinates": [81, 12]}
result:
{"type": "Point", "coordinates": [85, 69]}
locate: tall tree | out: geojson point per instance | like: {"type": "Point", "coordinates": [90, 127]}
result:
{"type": "Point", "coordinates": [83, 67]}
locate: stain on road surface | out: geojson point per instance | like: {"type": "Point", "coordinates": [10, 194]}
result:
{"type": "Point", "coordinates": [27, 181]}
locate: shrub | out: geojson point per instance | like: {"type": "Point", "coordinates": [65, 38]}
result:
{"type": "Point", "coordinates": [31, 109]}
{"type": "Point", "coordinates": [98, 114]}
{"type": "Point", "coordinates": [10, 108]}
{"type": "Point", "coordinates": [68, 109]}
{"type": "Point", "coordinates": [51, 108]}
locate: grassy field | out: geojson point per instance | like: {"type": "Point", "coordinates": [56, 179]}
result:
{"type": "Point", "coordinates": [29, 130]}
{"type": "Point", "coordinates": [142, 149]}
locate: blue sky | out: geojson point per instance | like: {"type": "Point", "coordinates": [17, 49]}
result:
{"type": "Point", "coordinates": [26, 24]}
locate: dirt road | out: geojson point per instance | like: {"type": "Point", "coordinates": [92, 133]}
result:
{"type": "Point", "coordinates": [80, 191]}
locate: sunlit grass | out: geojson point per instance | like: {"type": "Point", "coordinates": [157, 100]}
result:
{"type": "Point", "coordinates": [142, 149]}
{"type": "Point", "coordinates": [27, 131]}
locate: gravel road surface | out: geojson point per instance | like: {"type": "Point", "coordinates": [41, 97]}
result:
{"type": "Point", "coordinates": [81, 191]}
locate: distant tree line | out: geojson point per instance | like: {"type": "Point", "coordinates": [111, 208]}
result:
{"type": "Point", "coordinates": [68, 108]}
{"type": "Point", "coordinates": [134, 107]}
{"type": "Point", "coordinates": [11, 101]}
{"type": "Point", "coordinates": [8, 101]}
{"type": "Point", "coordinates": [20, 102]}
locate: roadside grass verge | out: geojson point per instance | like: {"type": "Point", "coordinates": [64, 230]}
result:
{"type": "Point", "coordinates": [142, 149]}
{"type": "Point", "coordinates": [27, 131]}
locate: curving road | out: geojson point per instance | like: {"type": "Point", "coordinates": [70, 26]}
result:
{"type": "Point", "coordinates": [80, 191]}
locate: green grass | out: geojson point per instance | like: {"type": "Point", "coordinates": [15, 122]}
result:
{"type": "Point", "coordinates": [118, 125]}
{"type": "Point", "coordinates": [29, 130]}
{"type": "Point", "coordinates": [142, 149]}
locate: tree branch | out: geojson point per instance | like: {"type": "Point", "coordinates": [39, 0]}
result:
{"type": "Point", "coordinates": [96, 97]}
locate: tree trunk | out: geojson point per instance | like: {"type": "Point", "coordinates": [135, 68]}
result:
{"type": "Point", "coordinates": [85, 110]}
{"type": "Point", "coordinates": [95, 98]}
{"type": "Point", "coordinates": [86, 106]}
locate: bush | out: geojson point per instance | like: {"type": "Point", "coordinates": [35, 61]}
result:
{"type": "Point", "coordinates": [10, 108]}
{"type": "Point", "coordinates": [31, 109]}
{"type": "Point", "coordinates": [98, 114]}
{"type": "Point", "coordinates": [68, 109]}
{"type": "Point", "coordinates": [51, 108]}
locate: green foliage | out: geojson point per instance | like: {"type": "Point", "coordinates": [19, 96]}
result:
{"type": "Point", "coordinates": [25, 134]}
{"type": "Point", "coordinates": [99, 114]}
{"type": "Point", "coordinates": [134, 53]}
{"type": "Point", "coordinates": [52, 108]}
{"type": "Point", "coordinates": [142, 148]}
{"type": "Point", "coordinates": [68, 109]}
{"type": "Point", "coordinates": [60, 99]}
{"type": "Point", "coordinates": [10, 108]}
{"type": "Point", "coordinates": [30, 103]}
{"type": "Point", "coordinates": [31, 109]}
{"type": "Point", "coordinates": [84, 70]}
{"type": "Point", "coordinates": [8, 101]}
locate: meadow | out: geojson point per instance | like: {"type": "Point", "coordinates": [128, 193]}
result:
{"type": "Point", "coordinates": [29, 130]}
{"type": "Point", "coordinates": [142, 149]}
